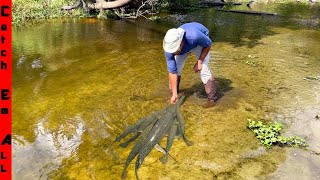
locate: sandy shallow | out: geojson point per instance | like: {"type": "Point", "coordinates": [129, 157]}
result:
{"type": "Point", "coordinates": [302, 164]}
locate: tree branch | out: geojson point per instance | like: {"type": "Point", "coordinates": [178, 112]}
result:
{"type": "Point", "coordinates": [108, 5]}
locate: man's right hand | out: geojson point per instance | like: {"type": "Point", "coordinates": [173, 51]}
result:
{"type": "Point", "coordinates": [173, 79]}
{"type": "Point", "coordinates": [174, 99]}
{"type": "Point", "coordinates": [195, 68]}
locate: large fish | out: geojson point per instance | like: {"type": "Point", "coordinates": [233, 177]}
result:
{"type": "Point", "coordinates": [158, 131]}
{"type": "Point", "coordinates": [181, 129]}
{"type": "Point", "coordinates": [145, 130]}
{"type": "Point", "coordinates": [170, 138]}
{"type": "Point", "coordinates": [160, 149]}
{"type": "Point", "coordinates": [177, 129]}
{"type": "Point", "coordinates": [148, 122]}
{"type": "Point", "coordinates": [136, 149]}
{"type": "Point", "coordinates": [139, 126]}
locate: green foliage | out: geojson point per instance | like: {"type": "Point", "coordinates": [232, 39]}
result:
{"type": "Point", "coordinates": [251, 62]}
{"type": "Point", "coordinates": [270, 135]}
{"type": "Point", "coordinates": [182, 4]}
{"type": "Point", "coordinates": [154, 18]}
{"type": "Point", "coordinates": [23, 10]}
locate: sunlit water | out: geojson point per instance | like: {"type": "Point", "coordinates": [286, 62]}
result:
{"type": "Point", "coordinates": [77, 84]}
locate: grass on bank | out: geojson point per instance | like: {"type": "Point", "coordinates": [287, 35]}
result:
{"type": "Point", "coordinates": [25, 10]}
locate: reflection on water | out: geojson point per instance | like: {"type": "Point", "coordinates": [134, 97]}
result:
{"type": "Point", "coordinates": [35, 160]}
{"type": "Point", "coordinates": [107, 74]}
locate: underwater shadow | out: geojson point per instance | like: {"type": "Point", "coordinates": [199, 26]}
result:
{"type": "Point", "coordinates": [223, 85]}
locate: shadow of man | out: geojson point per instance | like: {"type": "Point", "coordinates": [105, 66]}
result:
{"type": "Point", "coordinates": [223, 85]}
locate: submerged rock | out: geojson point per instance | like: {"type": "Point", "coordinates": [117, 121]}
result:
{"type": "Point", "coordinates": [254, 153]}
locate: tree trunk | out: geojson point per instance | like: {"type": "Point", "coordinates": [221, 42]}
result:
{"type": "Point", "coordinates": [100, 4]}
{"type": "Point", "coordinates": [108, 5]}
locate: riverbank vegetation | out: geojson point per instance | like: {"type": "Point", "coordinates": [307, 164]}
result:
{"type": "Point", "coordinates": [26, 10]}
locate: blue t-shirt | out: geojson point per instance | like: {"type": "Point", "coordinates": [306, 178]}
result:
{"type": "Point", "coordinates": [195, 35]}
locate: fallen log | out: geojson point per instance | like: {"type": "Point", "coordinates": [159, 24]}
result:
{"type": "Point", "coordinates": [100, 4]}
{"type": "Point", "coordinates": [108, 5]}
{"type": "Point", "coordinates": [250, 12]}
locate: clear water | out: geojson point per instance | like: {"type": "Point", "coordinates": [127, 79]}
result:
{"type": "Point", "coordinates": [77, 84]}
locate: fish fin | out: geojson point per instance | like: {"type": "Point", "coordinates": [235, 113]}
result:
{"type": "Point", "coordinates": [133, 128]}
{"type": "Point", "coordinates": [124, 175]}
{"type": "Point", "coordinates": [164, 159]}
{"type": "Point", "coordinates": [137, 176]}
{"type": "Point", "coordinates": [172, 157]}
{"type": "Point", "coordinates": [124, 145]}
{"type": "Point", "coordinates": [134, 137]}
{"type": "Point", "coordinates": [189, 143]}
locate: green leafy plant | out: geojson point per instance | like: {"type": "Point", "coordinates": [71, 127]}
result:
{"type": "Point", "coordinates": [270, 135]}
{"type": "Point", "coordinates": [252, 63]}
{"type": "Point", "coordinates": [154, 18]}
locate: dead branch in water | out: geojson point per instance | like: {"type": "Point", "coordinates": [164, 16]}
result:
{"type": "Point", "coordinates": [249, 12]}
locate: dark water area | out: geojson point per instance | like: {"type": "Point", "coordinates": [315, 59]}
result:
{"type": "Point", "coordinates": [77, 84]}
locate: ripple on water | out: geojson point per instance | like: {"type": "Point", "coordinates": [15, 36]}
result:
{"type": "Point", "coordinates": [36, 64]}
{"type": "Point", "coordinates": [35, 160]}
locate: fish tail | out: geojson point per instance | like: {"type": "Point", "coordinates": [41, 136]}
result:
{"type": "Point", "coordinates": [164, 158]}
{"type": "Point", "coordinates": [136, 171]}
{"type": "Point", "coordinates": [124, 174]}
{"type": "Point", "coordinates": [137, 166]}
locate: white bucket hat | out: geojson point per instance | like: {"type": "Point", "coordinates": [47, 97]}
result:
{"type": "Point", "coordinates": [172, 40]}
